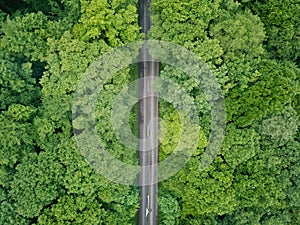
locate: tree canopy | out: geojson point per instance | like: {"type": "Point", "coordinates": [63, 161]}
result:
{"type": "Point", "coordinates": [251, 47]}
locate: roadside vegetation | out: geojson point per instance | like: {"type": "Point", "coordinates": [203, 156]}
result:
{"type": "Point", "coordinates": [252, 48]}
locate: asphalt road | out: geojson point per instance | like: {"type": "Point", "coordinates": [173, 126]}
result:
{"type": "Point", "coordinates": [148, 127]}
{"type": "Point", "coordinates": [148, 150]}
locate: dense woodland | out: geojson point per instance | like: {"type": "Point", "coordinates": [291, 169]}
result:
{"type": "Point", "coordinates": [252, 47]}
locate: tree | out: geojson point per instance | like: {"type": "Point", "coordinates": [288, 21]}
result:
{"type": "Point", "coordinates": [270, 94]}
{"type": "Point", "coordinates": [281, 20]}
{"type": "Point", "coordinates": [47, 46]}
{"type": "Point", "coordinates": [44, 178]}
{"type": "Point", "coordinates": [168, 205]}
{"type": "Point", "coordinates": [250, 174]}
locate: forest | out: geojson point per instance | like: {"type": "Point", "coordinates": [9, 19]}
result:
{"type": "Point", "coordinates": [253, 49]}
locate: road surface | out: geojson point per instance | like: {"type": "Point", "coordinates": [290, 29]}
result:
{"type": "Point", "coordinates": [148, 150]}
{"type": "Point", "coordinates": [147, 112]}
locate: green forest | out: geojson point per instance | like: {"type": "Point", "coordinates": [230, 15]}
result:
{"type": "Point", "coordinates": [253, 49]}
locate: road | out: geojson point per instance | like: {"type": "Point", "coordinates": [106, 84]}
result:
{"type": "Point", "coordinates": [147, 112]}
{"type": "Point", "coordinates": [148, 150]}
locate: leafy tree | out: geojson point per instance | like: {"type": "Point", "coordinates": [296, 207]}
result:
{"type": "Point", "coordinates": [169, 211]}
{"type": "Point", "coordinates": [251, 47]}
{"type": "Point", "coordinates": [16, 133]}
{"type": "Point", "coordinates": [239, 145]}
{"type": "Point", "coordinates": [112, 21]}
{"type": "Point", "coordinates": [241, 35]}
{"type": "Point", "coordinates": [271, 93]}
{"type": "Point", "coordinates": [251, 173]}
{"type": "Point", "coordinates": [43, 175]}
{"type": "Point", "coordinates": [36, 184]}
{"type": "Point", "coordinates": [15, 80]}
{"type": "Point", "coordinates": [8, 213]}
{"type": "Point", "coordinates": [281, 20]}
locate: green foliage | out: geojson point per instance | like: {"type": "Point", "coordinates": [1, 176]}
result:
{"type": "Point", "coordinates": [171, 132]}
{"type": "Point", "coordinates": [241, 36]}
{"type": "Point", "coordinates": [16, 138]}
{"type": "Point", "coordinates": [52, 7]}
{"type": "Point", "coordinates": [169, 211]}
{"type": "Point", "coordinates": [202, 193]}
{"type": "Point", "coordinates": [43, 176]}
{"type": "Point", "coordinates": [112, 21]}
{"type": "Point", "coordinates": [252, 48]}
{"type": "Point", "coordinates": [88, 209]}
{"type": "Point", "coordinates": [16, 80]}
{"type": "Point", "coordinates": [239, 145]}
{"type": "Point", "coordinates": [281, 20]}
{"type": "Point", "coordinates": [271, 93]}
{"type": "Point", "coordinates": [2, 17]}
{"type": "Point", "coordinates": [254, 176]}
{"type": "Point", "coordinates": [279, 129]}
{"type": "Point", "coordinates": [199, 220]}
{"type": "Point", "coordinates": [182, 22]}
{"type": "Point", "coordinates": [25, 36]}
{"type": "Point", "coordinates": [74, 209]}
{"type": "Point", "coordinates": [36, 184]}
{"type": "Point", "coordinates": [8, 213]}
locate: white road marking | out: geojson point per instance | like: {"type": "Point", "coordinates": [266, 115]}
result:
{"type": "Point", "coordinates": [148, 85]}
{"type": "Point", "coordinates": [148, 131]}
